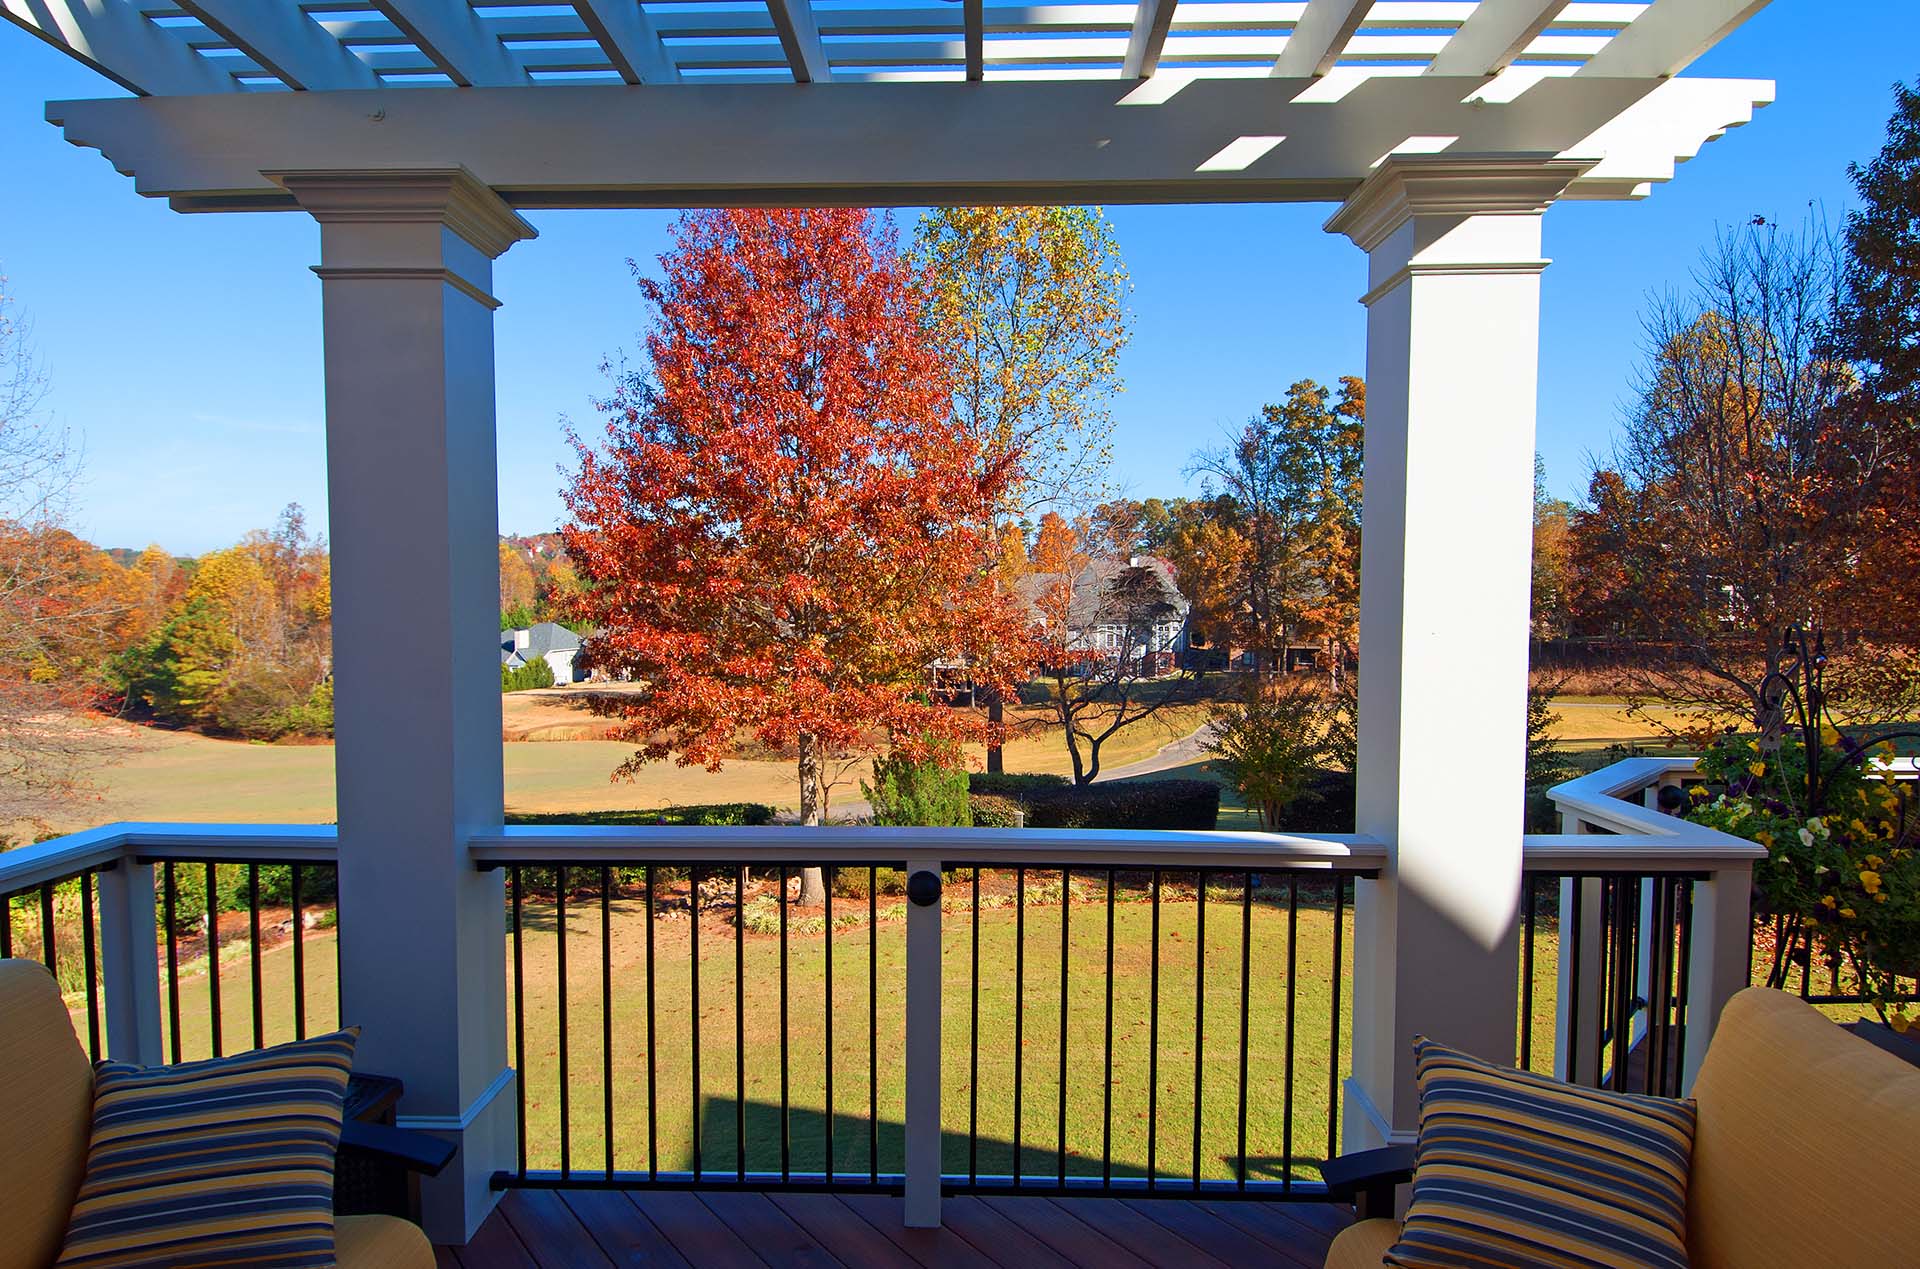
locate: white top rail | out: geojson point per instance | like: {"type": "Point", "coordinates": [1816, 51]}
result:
{"type": "Point", "coordinates": [1638, 837]}
{"type": "Point", "coordinates": [837, 844]}
{"type": "Point", "coordinates": [61, 857]}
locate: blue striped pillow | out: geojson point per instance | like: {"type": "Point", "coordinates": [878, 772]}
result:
{"type": "Point", "coordinates": [228, 1162]}
{"type": "Point", "coordinates": [1515, 1169]}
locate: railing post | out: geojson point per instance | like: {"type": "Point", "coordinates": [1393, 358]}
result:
{"type": "Point", "coordinates": [1579, 1014]}
{"type": "Point", "coordinates": [923, 1044]}
{"type": "Point", "coordinates": [1719, 958]}
{"type": "Point", "coordinates": [130, 963]}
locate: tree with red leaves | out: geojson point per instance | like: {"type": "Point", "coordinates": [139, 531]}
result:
{"type": "Point", "coordinates": [784, 529]}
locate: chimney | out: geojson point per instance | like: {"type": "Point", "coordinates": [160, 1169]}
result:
{"type": "Point", "coordinates": [521, 638]}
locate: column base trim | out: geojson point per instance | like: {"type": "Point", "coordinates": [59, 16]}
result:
{"type": "Point", "coordinates": [1379, 1130]}
{"type": "Point", "coordinates": [328, 273]}
{"type": "Point", "coordinates": [464, 1120]}
{"type": "Point", "coordinates": [1407, 272]}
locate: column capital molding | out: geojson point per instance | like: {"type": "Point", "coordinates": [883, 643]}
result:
{"type": "Point", "coordinates": [450, 196]}
{"type": "Point", "coordinates": [1458, 186]}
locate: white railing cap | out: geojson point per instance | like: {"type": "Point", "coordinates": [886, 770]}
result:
{"type": "Point", "coordinates": [61, 857]}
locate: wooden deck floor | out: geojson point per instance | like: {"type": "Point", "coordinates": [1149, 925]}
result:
{"type": "Point", "coordinates": [712, 1230]}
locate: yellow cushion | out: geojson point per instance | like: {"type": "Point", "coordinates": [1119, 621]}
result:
{"type": "Point", "coordinates": [380, 1242]}
{"type": "Point", "coordinates": [1363, 1246]}
{"type": "Point", "coordinates": [46, 1100]}
{"type": "Point", "coordinates": [1808, 1145]}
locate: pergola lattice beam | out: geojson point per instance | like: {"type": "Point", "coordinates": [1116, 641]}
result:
{"type": "Point", "coordinates": [117, 41]}
{"type": "Point", "coordinates": [1149, 37]}
{"type": "Point", "coordinates": [800, 38]}
{"type": "Point", "coordinates": [926, 143]}
{"type": "Point", "coordinates": [1496, 32]}
{"type": "Point", "coordinates": [1320, 37]}
{"type": "Point", "coordinates": [284, 41]}
{"type": "Point", "coordinates": [450, 34]}
{"type": "Point", "coordinates": [1667, 38]}
{"type": "Point", "coordinates": [628, 38]}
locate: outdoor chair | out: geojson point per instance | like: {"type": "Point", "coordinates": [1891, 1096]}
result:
{"type": "Point", "coordinates": [1803, 1153]}
{"type": "Point", "coordinates": [46, 1110]}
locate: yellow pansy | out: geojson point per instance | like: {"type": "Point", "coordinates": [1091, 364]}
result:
{"type": "Point", "coordinates": [1847, 912]}
{"type": "Point", "coordinates": [1757, 768]}
{"type": "Point", "coordinates": [1870, 881]}
{"type": "Point", "coordinates": [1874, 861]}
{"type": "Point", "coordinates": [1828, 901]}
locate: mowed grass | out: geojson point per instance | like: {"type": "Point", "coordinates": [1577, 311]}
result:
{"type": "Point", "coordinates": [1095, 1090]}
{"type": "Point", "coordinates": [180, 777]}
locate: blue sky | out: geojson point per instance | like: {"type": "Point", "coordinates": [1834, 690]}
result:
{"type": "Point", "coordinates": [185, 350]}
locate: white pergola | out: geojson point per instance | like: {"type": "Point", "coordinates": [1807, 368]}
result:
{"type": "Point", "coordinates": [415, 131]}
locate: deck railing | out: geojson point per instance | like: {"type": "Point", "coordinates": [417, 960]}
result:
{"type": "Point", "coordinates": [993, 933]}
{"type": "Point", "coordinates": [674, 1023]}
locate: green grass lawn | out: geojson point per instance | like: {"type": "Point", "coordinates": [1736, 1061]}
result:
{"type": "Point", "coordinates": [1086, 1087]}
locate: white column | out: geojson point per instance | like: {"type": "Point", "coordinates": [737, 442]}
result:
{"type": "Point", "coordinates": [130, 955]}
{"type": "Point", "coordinates": [406, 267]}
{"type": "Point", "coordinates": [1719, 960]}
{"type": "Point", "coordinates": [1453, 311]}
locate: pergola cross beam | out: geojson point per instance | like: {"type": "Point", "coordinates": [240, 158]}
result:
{"type": "Point", "coordinates": [800, 38]}
{"type": "Point", "coordinates": [119, 42]}
{"type": "Point", "coordinates": [1320, 37]}
{"type": "Point", "coordinates": [449, 32]}
{"type": "Point", "coordinates": [1496, 32]}
{"type": "Point", "coordinates": [628, 38]}
{"type": "Point", "coordinates": [285, 41]}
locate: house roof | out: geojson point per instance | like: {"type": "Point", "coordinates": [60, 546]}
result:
{"type": "Point", "coordinates": [1113, 591]}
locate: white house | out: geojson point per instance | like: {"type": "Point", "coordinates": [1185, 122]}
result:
{"type": "Point", "coordinates": [545, 640]}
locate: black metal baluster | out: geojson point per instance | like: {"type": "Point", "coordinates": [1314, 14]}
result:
{"type": "Point", "coordinates": [740, 1024]}
{"type": "Point", "coordinates": [560, 973]}
{"type": "Point", "coordinates": [1060, 1130]}
{"type": "Point", "coordinates": [213, 954]}
{"type": "Point", "coordinates": [653, 1101]}
{"type": "Point", "coordinates": [828, 877]}
{"type": "Point", "coordinates": [89, 963]}
{"type": "Point", "coordinates": [1293, 1010]}
{"type": "Point", "coordinates": [49, 949]}
{"type": "Point", "coordinates": [169, 897]}
{"type": "Point", "coordinates": [1246, 967]}
{"type": "Point", "coordinates": [973, 1045]}
{"type": "Point", "coordinates": [300, 966]}
{"type": "Point", "coordinates": [786, 1137]}
{"type": "Point", "coordinates": [1681, 998]}
{"type": "Point", "coordinates": [519, 1006]}
{"type": "Point", "coordinates": [1153, 1043]}
{"type": "Point", "coordinates": [1019, 1007]}
{"type": "Point", "coordinates": [253, 946]}
{"type": "Point", "coordinates": [6, 927]}
{"type": "Point", "coordinates": [693, 999]}
{"type": "Point", "coordinates": [1333, 1024]}
{"type": "Point", "coordinates": [1626, 893]}
{"type": "Point", "coordinates": [1526, 975]}
{"type": "Point", "coordinates": [606, 1014]}
{"type": "Point", "coordinates": [873, 1023]}
{"type": "Point", "coordinates": [1199, 1012]}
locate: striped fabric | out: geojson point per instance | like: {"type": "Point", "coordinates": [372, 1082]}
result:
{"type": "Point", "coordinates": [1515, 1169]}
{"type": "Point", "coordinates": [228, 1162]}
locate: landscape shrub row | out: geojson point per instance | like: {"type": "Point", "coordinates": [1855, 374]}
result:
{"type": "Point", "coordinates": [1051, 802]}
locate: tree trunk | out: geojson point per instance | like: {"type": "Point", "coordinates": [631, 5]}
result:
{"type": "Point", "coordinates": [813, 885]}
{"type": "Point", "coordinates": [995, 715]}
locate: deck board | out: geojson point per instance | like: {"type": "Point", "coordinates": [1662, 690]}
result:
{"type": "Point", "coordinates": [671, 1229]}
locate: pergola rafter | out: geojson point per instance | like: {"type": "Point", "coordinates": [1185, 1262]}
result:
{"type": "Point", "coordinates": [169, 47]}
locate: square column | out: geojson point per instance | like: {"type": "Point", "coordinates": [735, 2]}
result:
{"type": "Point", "coordinates": [1453, 312]}
{"type": "Point", "coordinates": [406, 268]}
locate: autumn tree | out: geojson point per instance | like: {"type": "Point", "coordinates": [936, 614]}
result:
{"type": "Point", "coordinates": [1745, 474]}
{"type": "Point", "coordinates": [783, 528]}
{"type": "Point", "coordinates": [1292, 484]}
{"type": "Point", "coordinates": [517, 592]}
{"type": "Point", "coordinates": [1027, 306]}
{"type": "Point", "coordinates": [1552, 565]}
{"type": "Point", "coordinates": [52, 600]}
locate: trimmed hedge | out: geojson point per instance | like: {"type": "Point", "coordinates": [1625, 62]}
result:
{"type": "Point", "coordinates": [712, 815]}
{"type": "Point", "coordinates": [1052, 802]}
{"type": "Point", "coordinates": [1325, 807]}
{"type": "Point", "coordinates": [1008, 785]}
{"type": "Point", "coordinates": [990, 810]}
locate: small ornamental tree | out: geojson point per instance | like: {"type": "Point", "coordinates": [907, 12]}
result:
{"type": "Point", "coordinates": [784, 528]}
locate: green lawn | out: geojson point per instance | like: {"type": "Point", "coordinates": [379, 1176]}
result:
{"type": "Point", "coordinates": [1267, 1111]}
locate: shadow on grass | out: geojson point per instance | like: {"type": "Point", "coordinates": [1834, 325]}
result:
{"type": "Point", "coordinates": [744, 1139]}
